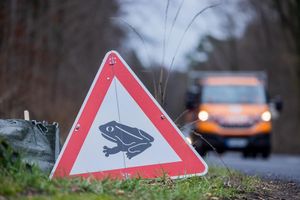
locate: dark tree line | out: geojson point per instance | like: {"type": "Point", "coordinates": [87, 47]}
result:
{"type": "Point", "coordinates": [49, 54]}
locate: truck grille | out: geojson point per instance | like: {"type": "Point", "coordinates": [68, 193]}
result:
{"type": "Point", "coordinates": [231, 125]}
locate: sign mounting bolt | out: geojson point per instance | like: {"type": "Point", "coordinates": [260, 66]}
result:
{"type": "Point", "coordinates": [112, 60]}
{"type": "Point", "coordinates": [162, 117]}
{"type": "Point", "coordinates": [77, 127]}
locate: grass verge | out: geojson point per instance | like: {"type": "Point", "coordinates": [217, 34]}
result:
{"type": "Point", "coordinates": [30, 183]}
{"type": "Point", "coordinates": [20, 181]}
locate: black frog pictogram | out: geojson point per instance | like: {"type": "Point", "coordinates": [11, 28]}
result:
{"type": "Point", "coordinates": [131, 140]}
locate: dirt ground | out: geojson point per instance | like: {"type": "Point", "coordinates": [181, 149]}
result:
{"type": "Point", "coordinates": [269, 189]}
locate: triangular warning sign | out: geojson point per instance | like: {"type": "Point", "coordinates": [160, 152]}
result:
{"type": "Point", "coordinates": [121, 130]}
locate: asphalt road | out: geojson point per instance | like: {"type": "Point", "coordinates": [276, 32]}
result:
{"type": "Point", "coordinates": [277, 167]}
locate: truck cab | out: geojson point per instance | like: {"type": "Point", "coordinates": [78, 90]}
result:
{"type": "Point", "coordinates": [230, 111]}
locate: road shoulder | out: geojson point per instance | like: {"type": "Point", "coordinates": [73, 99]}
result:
{"type": "Point", "coordinates": [273, 189]}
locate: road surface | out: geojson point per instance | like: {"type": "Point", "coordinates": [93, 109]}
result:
{"type": "Point", "coordinates": [280, 167]}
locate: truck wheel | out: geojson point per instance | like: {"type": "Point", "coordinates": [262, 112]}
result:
{"type": "Point", "coordinates": [266, 153]}
{"type": "Point", "coordinates": [198, 145]}
{"type": "Point", "coordinates": [202, 152]}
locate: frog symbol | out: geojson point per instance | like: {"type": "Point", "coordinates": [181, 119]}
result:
{"type": "Point", "coordinates": [131, 140]}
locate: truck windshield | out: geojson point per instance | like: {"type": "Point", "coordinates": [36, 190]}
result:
{"type": "Point", "coordinates": [233, 94]}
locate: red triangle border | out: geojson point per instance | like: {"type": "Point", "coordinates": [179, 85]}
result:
{"type": "Point", "coordinates": [191, 163]}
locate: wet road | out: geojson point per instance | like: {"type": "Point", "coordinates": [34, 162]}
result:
{"type": "Point", "coordinates": [281, 167]}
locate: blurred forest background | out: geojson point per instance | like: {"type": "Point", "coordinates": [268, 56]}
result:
{"type": "Point", "coordinates": [50, 52]}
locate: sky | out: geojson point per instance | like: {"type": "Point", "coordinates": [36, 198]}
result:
{"type": "Point", "coordinates": [148, 17]}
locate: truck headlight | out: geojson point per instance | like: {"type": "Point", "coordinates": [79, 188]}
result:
{"type": "Point", "coordinates": [188, 140]}
{"type": "Point", "coordinates": [266, 116]}
{"type": "Point", "coordinates": [203, 115]}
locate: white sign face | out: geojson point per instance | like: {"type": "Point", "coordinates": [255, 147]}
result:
{"type": "Point", "coordinates": [122, 130]}
{"type": "Point", "coordinates": [131, 115]}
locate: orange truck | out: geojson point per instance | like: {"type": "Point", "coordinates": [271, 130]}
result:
{"type": "Point", "coordinates": [230, 111]}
